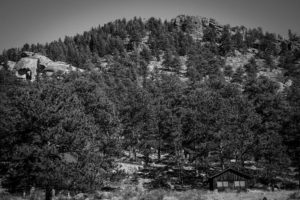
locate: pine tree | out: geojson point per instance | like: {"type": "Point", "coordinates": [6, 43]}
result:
{"type": "Point", "coordinates": [238, 75]}
{"type": "Point", "coordinates": [274, 112]}
{"type": "Point", "coordinates": [226, 44]}
{"type": "Point", "coordinates": [49, 140]}
{"type": "Point", "coordinates": [228, 71]}
{"type": "Point", "coordinates": [251, 69]}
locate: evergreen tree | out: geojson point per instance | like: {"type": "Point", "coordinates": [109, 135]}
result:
{"type": "Point", "coordinates": [48, 141]}
{"type": "Point", "coordinates": [225, 41]}
{"type": "Point", "coordinates": [251, 69]}
{"type": "Point", "coordinates": [238, 75]}
{"type": "Point", "coordinates": [228, 71]}
{"type": "Point", "coordinates": [273, 110]}
{"type": "Point", "coordinates": [292, 133]}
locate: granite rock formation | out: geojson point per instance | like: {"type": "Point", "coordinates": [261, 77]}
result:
{"type": "Point", "coordinates": [32, 65]}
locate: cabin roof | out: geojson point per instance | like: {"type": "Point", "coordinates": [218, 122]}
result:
{"type": "Point", "coordinates": [233, 171]}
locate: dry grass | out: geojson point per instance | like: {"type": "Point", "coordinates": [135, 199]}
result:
{"type": "Point", "coordinates": [205, 195]}
{"type": "Point", "coordinates": [9, 197]}
{"type": "Point", "coordinates": [134, 194]}
{"type": "Point", "coordinates": [252, 195]}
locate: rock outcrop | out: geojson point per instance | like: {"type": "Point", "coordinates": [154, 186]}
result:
{"type": "Point", "coordinates": [26, 68]}
{"type": "Point", "coordinates": [11, 65]}
{"type": "Point", "coordinates": [194, 25]}
{"type": "Point", "coordinates": [42, 59]}
{"type": "Point", "coordinates": [238, 60]}
{"type": "Point", "coordinates": [32, 65]}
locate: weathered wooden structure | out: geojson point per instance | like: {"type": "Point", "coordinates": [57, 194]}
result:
{"type": "Point", "coordinates": [229, 179]}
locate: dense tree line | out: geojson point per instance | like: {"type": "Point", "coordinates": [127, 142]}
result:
{"type": "Point", "coordinates": [92, 117]}
{"type": "Point", "coordinates": [121, 36]}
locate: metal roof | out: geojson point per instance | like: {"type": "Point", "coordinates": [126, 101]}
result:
{"type": "Point", "coordinates": [232, 170]}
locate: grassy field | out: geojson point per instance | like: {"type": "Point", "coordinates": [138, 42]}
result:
{"type": "Point", "coordinates": [252, 195]}
{"type": "Point", "coordinates": [132, 194]}
{"type": "Point", "coordinates": [257, 195]}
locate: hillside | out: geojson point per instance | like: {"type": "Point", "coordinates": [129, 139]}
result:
{"type": "Point", "coordinates": [159, 44]}
{"type": "Point", "coordinates": [176, 101]}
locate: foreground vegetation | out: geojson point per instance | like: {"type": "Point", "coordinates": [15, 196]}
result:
{"type": "Point", "coordinates": [131, 194]}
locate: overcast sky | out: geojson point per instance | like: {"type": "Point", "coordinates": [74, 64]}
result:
{"type": "Point", "coordinates": [32, 21]}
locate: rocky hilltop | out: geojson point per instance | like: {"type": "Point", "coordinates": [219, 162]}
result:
{"type": "Point", "coordinates": [165, 46]}
{"type": "Point", "coordinates": [195, 25]}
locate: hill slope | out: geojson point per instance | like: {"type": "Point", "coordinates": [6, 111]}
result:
{"type": "Point", "coordinates": [186, 98]}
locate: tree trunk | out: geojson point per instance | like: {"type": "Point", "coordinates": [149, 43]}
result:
{"type": "Point", "coordinates": [222, 161]}
{"type": "Point", "coordinates": [48, 195]}
{"type": "Point", "coordinates": [242, 162]}
{"type": "Point", "coordinates": [158, 151]}
{"type": "Point", "coordinates": [299, 177]}
{"type": "Point", "coordinates": [134, 154]}
{"type": "Point", "coordinates": [221, 156]}
{"type": "Point", "coordinates": [32, 193]}
{"type": "Point", "coordinates": [223, 166]}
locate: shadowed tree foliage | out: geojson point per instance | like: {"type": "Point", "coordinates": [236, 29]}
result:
{"type": "Point", "coordinates": [48, 140]}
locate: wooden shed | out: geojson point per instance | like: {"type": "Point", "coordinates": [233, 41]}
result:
{"type": "Point", "coordinates": [229, 179]}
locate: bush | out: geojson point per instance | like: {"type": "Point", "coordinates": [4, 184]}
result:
{"type": "Point", "coordinates": [154, 195]}
{"type": "Point", "coordinates": [294, 196]}
{"type": "Point", "coordinates": [129, 193]}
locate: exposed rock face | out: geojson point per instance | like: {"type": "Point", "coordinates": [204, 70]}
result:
{"type": "Point", "coordinates": [60, 66]}
{"type": "Point", "coordinates": [68, 158]}
{"type": "Point", "coordinates": [194, 25]}
{"type": "Point", "coordinates": [42, 59]}
{"type": "Point", "coordinates": [238, 60]}
{"type": "Point", "coordinates": [26, 68]}
{"type": "Point", "coordinates": [33, 64]}
{"type": "Point", "coordinates": [11, 65]}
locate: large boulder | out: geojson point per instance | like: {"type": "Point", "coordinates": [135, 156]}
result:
{"type": "Point", "coordinates": [42, 59]}
{"type": "Point", "coordinates": [60, 67]}
{"type": "Point", "coordinates": [26, 68]}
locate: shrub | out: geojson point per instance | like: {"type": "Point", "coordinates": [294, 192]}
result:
{"type": "Point", "coordinates": [154, 195]}
{"type": "Point", "coordinates": [294, 196]}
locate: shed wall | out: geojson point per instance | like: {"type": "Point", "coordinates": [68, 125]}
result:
{"type": "Point", "coordinates": [229, 180]}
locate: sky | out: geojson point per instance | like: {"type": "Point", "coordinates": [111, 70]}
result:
{"type": "Point", "coordinates": [41, 21]}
